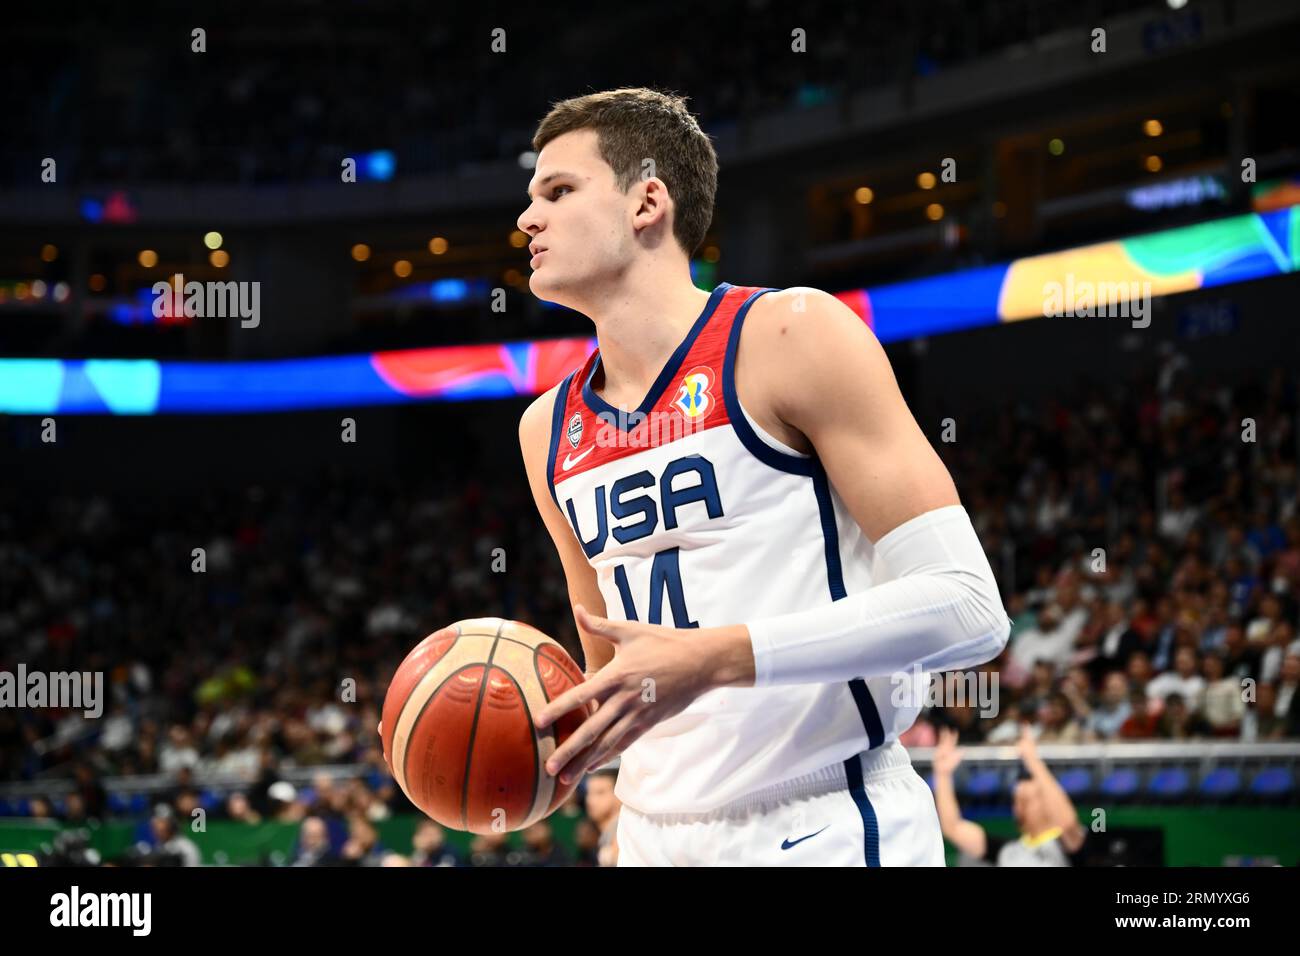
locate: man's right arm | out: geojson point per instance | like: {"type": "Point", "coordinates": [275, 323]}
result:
{"type": "Point", "coordinates": [966, 835]}
{"type": "Point", "coordinates": [534, 443]}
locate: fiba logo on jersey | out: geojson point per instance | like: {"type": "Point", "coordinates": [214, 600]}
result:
{"type": "Point", "coordinates": [693, 397]}
{"type": "Point", "coordinates": [575, 429]}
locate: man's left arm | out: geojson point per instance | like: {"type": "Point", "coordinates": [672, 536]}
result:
{"type": "Point", "coordinates": [938, 606]}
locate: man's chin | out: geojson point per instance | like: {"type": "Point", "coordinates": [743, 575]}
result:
{"type": "Point", "coordinates": [545, 289]}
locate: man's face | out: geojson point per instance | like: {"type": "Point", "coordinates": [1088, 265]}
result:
{"type": "Point", "coordinates": [1116, 689]}
{"type": "Point", "coordinates": [578, 216]}
{"type": "Point", "coordinates": [313, 834]}
{"type": "Point", "coordinates": [1027, 806]}
{"type": "Point", "coordinates": [1139, 668]}
{"type": "Point", "coordinates": [601, 801]}
{"type": "Point", "coordinates": [427, 838]}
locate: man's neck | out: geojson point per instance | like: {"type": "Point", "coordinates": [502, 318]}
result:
{"type": "Point", "coordinates": [637, 329]}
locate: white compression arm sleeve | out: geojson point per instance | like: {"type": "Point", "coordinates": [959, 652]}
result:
{"type": "Point", "coordinates": [939, 609]}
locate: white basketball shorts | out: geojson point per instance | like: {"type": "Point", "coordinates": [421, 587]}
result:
{"type": "Point", "coordinates": [872, 810]}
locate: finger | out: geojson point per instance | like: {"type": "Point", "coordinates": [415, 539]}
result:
{"type": "Point", "coordinates": [583, 738]}
{"type": "Point", "coordinates": [611, 744]}
{"type": "Point", "coordinates": [613, 631]}
{"type": "Point", "coordinates": [587, 733]}
{"type": "Point", "coordinates": [576, 767]}
{"type": "Point", "coordinates": [572, 699]}
{"type": "Point", "coordinates": [589, 675]}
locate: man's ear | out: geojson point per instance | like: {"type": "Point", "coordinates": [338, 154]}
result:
{"type": "Point", "coordinates": [654, 197]}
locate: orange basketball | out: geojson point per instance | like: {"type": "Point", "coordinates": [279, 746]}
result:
{"type": "Point", "coordinates": [458, 725]}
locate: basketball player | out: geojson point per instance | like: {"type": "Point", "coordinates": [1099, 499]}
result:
{"type": "Point", "coordinates": [761, 547]}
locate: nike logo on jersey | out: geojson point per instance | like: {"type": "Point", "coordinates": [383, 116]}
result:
{"type": "Point", "coordinates": [570, 461]}
{"type": "Point", "coordinates": [786, 844]}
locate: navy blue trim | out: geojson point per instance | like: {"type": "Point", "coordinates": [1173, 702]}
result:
{"type": "Point", "coordinates": [830, 531]}
{"type": "Point", "coordinates": [867, 710]}
{"type": "Point", "coordinates": [557, 421]}
{"type": "Point", "coordinates": [739, 423]}
{"type": "Point", "coordinates": [870, 827]}
{"type": "Point", "coordinates": [621, 418]}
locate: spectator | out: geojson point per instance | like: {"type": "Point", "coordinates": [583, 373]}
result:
{"type": "Point", "coordinates": [314, 844]}
{"type": "Point", "coordinates": [1142, 721]}
{"type": "Point", "coordinates": [1279, 644]}
{"type": "Point", "coordinates": [1111, 713]}
{"type": "Point", "coordinates": [1139, 671]}
{"type": "Point", "coordinates": [179, 751]}
{"type": "Point", "coordinates": [1286, 688]}
{"type": "Point", "coordinates": [239, 810]}
{"type": "Point", "coordinates": [1223, 706]}
{"type": "Point", "coordinates": [1057, 724]}
{"type": "Point", "coordinates": [602, 808]}
{"type": "Point", "coordinates": [1117, 643]}
{"type": "Point", "coordinates": [586, 838]}
{"type": "Point", "coordinates": [430, 847]}
{"type": "Point", "coordinates": [541, 848]}
{"type": "Point", "coordinates": [169, 844]}
{"type": "Point", "coordinates": [1013, 726]}
{"type": "Point", "coordinates": [1050, 831]}
{"type": "Point", "coordinates": [362, 847]}
{"type": "Point", "coordinates": [1184, 680]}
{"type": "Point", "coordinates": [1261, 627]}
{"type": "Point", "coordinates": [1046, 641]}
{"type": "Point", "coordinates": [1240, 660]}
{"type": "Point", "coordinates": [285, 807]}
{"type": "Point", "coordinates": [1177, 721]}
{"type": "Point", "coordinates": [1178, 517]}
{"type": "Point", "coordinates": [489, 849]}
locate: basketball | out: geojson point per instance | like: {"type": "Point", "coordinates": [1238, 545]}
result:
{"type": "Point", "coordinates": [458, 728]}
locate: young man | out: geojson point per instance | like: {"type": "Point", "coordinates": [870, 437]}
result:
{"type": "Point", "coordinates": [761, 546]}
{"type": "Point", "coordinates": [1050, 831]}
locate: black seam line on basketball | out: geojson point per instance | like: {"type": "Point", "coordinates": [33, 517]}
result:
{"type": "Point", "coordinates": [532, 735]}
{"type": "Point", "coordinates": [473, 728]}
{"type": "Point", "coordinates": [550, 731]}
{"type": "Point", "coordinates": [406, 751]}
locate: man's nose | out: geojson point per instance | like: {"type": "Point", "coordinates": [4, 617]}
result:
{"type": "Point", "coordinates": [528, 222]}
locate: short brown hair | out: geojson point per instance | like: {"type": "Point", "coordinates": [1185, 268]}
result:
{"type": "Point", "coordinates": [633, 124]}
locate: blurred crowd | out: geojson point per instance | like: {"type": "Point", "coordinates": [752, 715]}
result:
{"type": "Point", "coordinates": [284, 90]}
{"type": "Point", "coordinates": [334, 822]}
{"type": "Point", "coordinates": [1146, 538]}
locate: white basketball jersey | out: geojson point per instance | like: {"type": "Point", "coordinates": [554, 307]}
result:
{"type": "Point", "coordinates": [692, 516]}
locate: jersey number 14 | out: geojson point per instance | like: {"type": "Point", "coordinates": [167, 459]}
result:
{"type": "Point", "coordinates": [665, 577]}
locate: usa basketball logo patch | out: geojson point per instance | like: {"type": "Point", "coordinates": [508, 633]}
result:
{"type": "Point", "coordinates": [694, 396]}
{"type": "Point", "coordinates": [575, 429]}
